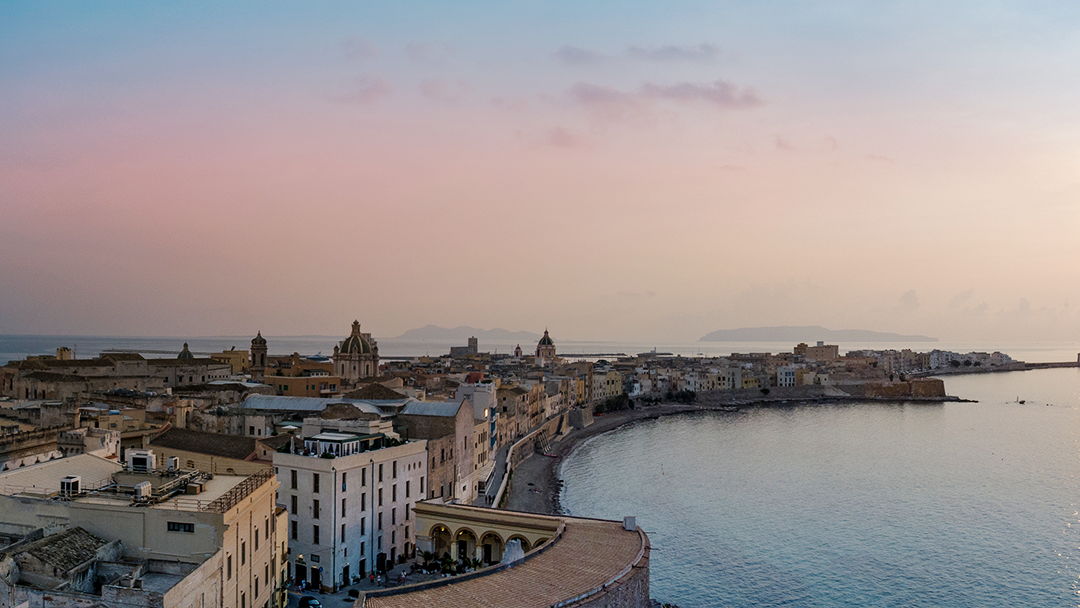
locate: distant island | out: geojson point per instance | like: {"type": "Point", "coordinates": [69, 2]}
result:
{"type": "Point", "coordinates": [464, 332]}
{"type": "Point", "coordinates": [807, 333]}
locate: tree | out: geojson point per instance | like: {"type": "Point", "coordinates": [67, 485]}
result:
{"type": "Point", "coordinates": [954, 363]}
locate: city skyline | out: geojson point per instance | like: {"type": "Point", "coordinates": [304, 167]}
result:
{"type": "Point", "coordinates": [652, 172]}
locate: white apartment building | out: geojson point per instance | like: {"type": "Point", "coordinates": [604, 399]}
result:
{"type": "Point", "coordinates": [785, 375]}
{"type": "Point", "coordinates": [349, 514]}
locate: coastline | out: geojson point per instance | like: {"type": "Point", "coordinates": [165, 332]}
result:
{"type": "Point", "coordinates": [535, 485]}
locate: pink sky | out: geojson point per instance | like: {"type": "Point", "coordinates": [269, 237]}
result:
{"type": "Point", "coordinates": [681, 172]}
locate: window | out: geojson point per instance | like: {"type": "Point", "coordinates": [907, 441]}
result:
{"type": "Point", "coordinates": [363, 530]}
{"type": "Point", "coordinates": [363, 502]}
{"type": "Point", "coordinates": [228, 568]}
{"type": "Point", "coordinates": [380, 497]}
{"type": "Point", "coordinates": [393, 517]}
{"type": "Point", "coordinates": [406, 489]}
{"type": "Point", "coordinates": [406, 511]}
{"type": "Point", "coordinates": [393, 536]}
{"type": "Point", "coordinates": [342, 532]}
{"type": "Point", "coordinates": [380, 471]}
{"type": "Point", "coordinates": [343, 507]}
{"type": "Point", "coordinates": [421, 485]}
{"type": "Point", "coordinates": [293, 478]}
{"type": "Point", "coordinates": [243, 552]}
{"type": "Point", "coordinates": [315, 482]}
{"type": "Point", "coordinates": [393, 493]}
{"type": "Point", "coordinates": [343, 482]}
{"type": "Point", "coordinates": [315, 509]}
{"type": "Point", "coordinates": [256, 594]}
{"type": "Point", "coordinates": [393, 467]}
{"type": "Point", "coordinates": [266, 529]}
{"type": "Point", "coordinates": [294, 530]}
{"type": "Point", "coordinates": [314, 535]}
{"type": "Point", "coordinates": [406, 532]}
{"type": "Point", "coordinates": [243, 600]}
{"type": "Point", "coordinates": [363, 478]}
{"type": "Point", "coordinates": [294, 509]}
{"type": "Point", "coordinates": [256, 536]}
{"type": "Point", "coordinates": [251, 431]}
{"type": "Point", "coordinates": [380, 520]}
{"type": "Point", "coordinates": [176, 526]}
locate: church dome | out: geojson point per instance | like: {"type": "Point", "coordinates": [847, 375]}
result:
{"type": "Point", "coordinates": [258, 340]}
{"type": "Point", "coordinates": [355, 343]}
{"type": "Point", "coordinates": [185, 354]}
{"type": "Point", "coordinates": [546, 340]}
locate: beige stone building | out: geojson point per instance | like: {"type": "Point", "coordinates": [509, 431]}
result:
{"type": "Point", "coordinates": [188, 540]}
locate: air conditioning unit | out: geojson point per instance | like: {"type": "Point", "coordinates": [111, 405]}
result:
{"type": "Point", "coordinates": [194, 488]}
{"type": "Point", "coordinates": [143, 490]}
{"type": "Point", "coordinates": [172, 463]}
{"type": "Point", "coordinates": [70, 485]}
{"type": "Point", "coordinates": [141, 461]}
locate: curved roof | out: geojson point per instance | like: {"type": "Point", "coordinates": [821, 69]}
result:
{"type": "Point", "coordinates": [355, 343]}
{"type": "Point", "coordinates": [546, 340]}
{"type": "Point", "coordinates": [185, 354]}
{"type": "Point", "coordinates": [258, 340]}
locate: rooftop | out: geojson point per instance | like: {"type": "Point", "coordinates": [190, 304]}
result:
{"type": "Point", "coordinates": [67, 550]}
{"type": "Point", "coordinates": [589, 555]}
{"type": "Point", "coordinates": [215, 444]}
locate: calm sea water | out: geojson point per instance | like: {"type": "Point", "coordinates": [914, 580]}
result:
{"type": "Point", "coordinates": [957, 505]}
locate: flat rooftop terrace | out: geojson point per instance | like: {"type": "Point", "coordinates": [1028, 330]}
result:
{"type": "Point", "coordinates": [589, 555]}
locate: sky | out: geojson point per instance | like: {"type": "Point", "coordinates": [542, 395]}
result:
{"type": "Point", "coordinates": [617, 171]}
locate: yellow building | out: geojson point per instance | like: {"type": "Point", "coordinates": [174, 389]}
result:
{"type": "Point", "coordinates": [237, 359]}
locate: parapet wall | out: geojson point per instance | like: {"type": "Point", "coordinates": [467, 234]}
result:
{"type": "Point", "coordinates": [630, 591]}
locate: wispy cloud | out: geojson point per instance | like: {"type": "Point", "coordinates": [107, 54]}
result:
{"type": "Point", "coordinates": [879, 158]}
{"type": "Point", "coordinates": [575, 55]}
{"type": "Point", "coordinates": [961, 297]}
{"type": "Point", "coordinates": [510, 103]}
{"type": "Point", "coordinates": [620, 104]}
{"type": "Point", "coordinates": [367, 90]}
{"type": "Point", "coordinates": [359, 48]}
{"type": "Point", "coordinates": [561, 137]}
{"type": "Point", "coordinates": [907, 303]}
{"type": "Point", "coordinates": [700, 53]}
{"type": "Point", "coordinates": [443, 91]}
{"type": "Point", "coordinates": [426, 51]}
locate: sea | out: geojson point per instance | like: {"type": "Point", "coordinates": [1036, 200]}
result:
{"type": "Point", "coordinates": [948, 505]}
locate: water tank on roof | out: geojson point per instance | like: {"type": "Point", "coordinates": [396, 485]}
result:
{"type": "Point", "coordinates": [143, 490]}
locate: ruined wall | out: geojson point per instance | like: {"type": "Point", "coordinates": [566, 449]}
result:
{"type": "Point", "coordinates": [928, 387]}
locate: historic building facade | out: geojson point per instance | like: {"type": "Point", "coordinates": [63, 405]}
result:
{"type": "Point", "coordinates": [357, 356]}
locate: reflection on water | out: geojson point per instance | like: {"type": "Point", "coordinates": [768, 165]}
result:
{"type": "Point", "coordinates": [961, 504]}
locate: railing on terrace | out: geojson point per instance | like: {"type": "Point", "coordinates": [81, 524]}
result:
{"type": "Point", "coordinates": [229, 499]}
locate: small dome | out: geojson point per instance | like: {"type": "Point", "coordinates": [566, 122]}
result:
{"type": "Point", "coordinates": [258, 340]}
{"type": "Point", "coordinates": [355, 343]}
{"type": "Point", "coordinates": [546, 340]}
{"type": "Point", "coordinates": [185, 354]}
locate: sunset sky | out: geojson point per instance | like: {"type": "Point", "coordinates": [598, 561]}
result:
{"type": "Point", "coordinates": [612, 171]}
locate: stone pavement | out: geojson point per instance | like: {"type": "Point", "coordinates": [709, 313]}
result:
{"type": "Point", "coordinates": [483, 500]}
